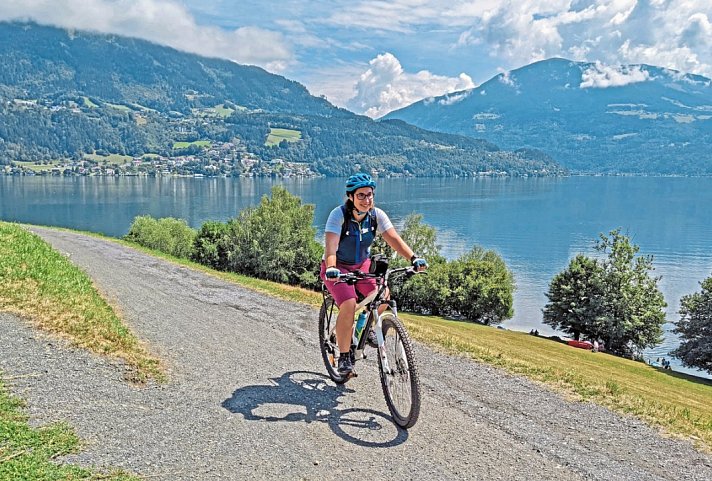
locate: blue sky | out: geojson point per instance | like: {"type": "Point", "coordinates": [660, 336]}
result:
{"type": "Point", "coordinates": [374, 56]}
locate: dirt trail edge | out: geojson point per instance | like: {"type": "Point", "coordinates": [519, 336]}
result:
{"type": "Point", "coordinates": [247, 397]}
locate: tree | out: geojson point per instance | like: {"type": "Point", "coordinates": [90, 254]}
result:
{"type": "Point", "coordinates": [613, 299]}
{"type": "Point", "coordinates": [634, 304]}
{"type": "Point", "coordinates": [695, 328]}
{"type": "Point", "coordinates": [576, 298]}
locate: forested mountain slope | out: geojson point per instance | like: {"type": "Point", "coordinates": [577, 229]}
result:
{"type": "Point", "coordinates": [65, 94]}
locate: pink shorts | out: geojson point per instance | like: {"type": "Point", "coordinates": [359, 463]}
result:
{"type": "Point", "coordinates": [342, 291]}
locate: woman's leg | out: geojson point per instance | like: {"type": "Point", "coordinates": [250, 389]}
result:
{"type": "Point", "coordinates": [345, 297]}
{"type": "Point", "coordinates": [345, 324]}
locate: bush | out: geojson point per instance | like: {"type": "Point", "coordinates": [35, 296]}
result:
{"type": "Point", "coordinates": [482, 288]}
{"type": "Point", "coordinates": [275, 241]}
{"type": "Point", "coordinates": [425, 294]}
{"type": "Point", "coordinates": [169, 235]}
{"type": "Point", "coordinates": [211, 245]}
{"type": "Point", "coordinates": [477, 287]}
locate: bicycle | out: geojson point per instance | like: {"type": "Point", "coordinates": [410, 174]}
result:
{"type": "Point", "coordinates": [396, 361]}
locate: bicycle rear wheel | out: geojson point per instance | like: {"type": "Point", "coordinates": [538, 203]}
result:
{"type": "Point", "coordinates": [327, 340]}
{"type": "Point", "coordinates": [399, 374]}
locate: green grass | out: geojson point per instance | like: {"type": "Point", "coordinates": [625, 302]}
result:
{"type": "Point", "coordinates": [89, 103]}
{"type": "Point", "coordinates": [111, 158]}
{"type": "Point", "coordinates": [123, 108]}
{"type": "Point", "coordinates": [223, 111]}
{"type": "Point", "coordinates": [183, 145]}
{"type": "Point", "coordinates": [28, 453]}
{"type": "Point", "coordinates": [38, 283]}
{"type": "Point", "coordinates": [277, 135]}
{"type": "Point", "coordinates": [680, 404]}
{"type": "Point", "coordinates": [36, 168]}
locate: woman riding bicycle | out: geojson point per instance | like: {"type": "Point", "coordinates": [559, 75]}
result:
{"type": "Point", "coordinates": [350, 230]}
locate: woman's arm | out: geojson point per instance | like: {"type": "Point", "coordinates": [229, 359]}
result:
{"type": "Point", "coordinates": [331, 245]}
{"type": "Point", "coordinates": [397, 243]}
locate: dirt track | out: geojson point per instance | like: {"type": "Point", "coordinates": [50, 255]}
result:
{"type": "Point", "coordinates": [248, 398]}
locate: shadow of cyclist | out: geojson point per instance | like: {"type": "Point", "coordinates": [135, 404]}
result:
{"type": "Point", "coordinates": [316, 400]}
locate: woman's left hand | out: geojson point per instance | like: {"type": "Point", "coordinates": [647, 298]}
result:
{"type": "Point", "coordinates": [419, 264]}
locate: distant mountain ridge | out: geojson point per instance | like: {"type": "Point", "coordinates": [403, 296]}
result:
{"type": "Point", "coordinates": [66, 94]}
{"type": "Point", "coordinates": [127, 70]}
{"type": "Point", "coordinates": [588, 117]}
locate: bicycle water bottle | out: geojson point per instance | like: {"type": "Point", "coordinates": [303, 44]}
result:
{"type": "Point", "coordinates": [360, 322]}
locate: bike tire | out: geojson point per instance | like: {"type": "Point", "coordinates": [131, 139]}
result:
{"type": "Point", "coordinates": [401, 386]}
{"type": "Point", "coordinates": [327, 341]}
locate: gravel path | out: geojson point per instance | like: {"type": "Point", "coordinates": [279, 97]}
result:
{"type": "Point", "coordinates": [248, 398]}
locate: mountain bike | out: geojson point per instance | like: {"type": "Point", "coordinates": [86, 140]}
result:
{"type": "Point", "coordinates": [396, 361]}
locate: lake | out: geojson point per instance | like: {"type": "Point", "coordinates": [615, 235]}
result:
{"type": "Point", "coordinates": [536, 224]}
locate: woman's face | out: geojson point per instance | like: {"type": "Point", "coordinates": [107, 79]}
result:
{"type": "Point", "coordinates": [363, 199]}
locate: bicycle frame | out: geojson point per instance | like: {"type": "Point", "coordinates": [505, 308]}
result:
{"type": "Point", "coordinates": [371, 303]}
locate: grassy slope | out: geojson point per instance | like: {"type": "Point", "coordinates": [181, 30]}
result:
{"type": "Point", "coordinates": [198, 143]}
{"type": "Point", "coordinates": [38, 283]}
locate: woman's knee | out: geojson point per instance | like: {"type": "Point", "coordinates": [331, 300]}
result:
{"type": "Point", "coordinates": [348, 305]}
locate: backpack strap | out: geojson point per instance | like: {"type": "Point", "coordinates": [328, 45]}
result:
{"type": "Point", "coordinates": [345, 226]}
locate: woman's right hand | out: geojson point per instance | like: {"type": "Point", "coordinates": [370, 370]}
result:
{"type": "Point", "coordinates": [332, 273]}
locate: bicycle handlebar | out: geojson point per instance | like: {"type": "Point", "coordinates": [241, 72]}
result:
{"type": "Point", "coordinates": [355, 276]}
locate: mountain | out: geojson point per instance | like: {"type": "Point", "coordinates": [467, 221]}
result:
{"type": "Point", "coordinates": [82, 96]}
{"type": "Point", "coordinates": [588, 117]}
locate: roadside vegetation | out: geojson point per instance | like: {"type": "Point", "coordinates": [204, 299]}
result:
{"type": "Point", "coordinates": [43, 286]}
{"type": "Point", "coordinates": [275, 241]}
{"type": "Point", "coordinates": [29, 453]}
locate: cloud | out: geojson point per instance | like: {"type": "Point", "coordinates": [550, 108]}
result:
{"type": "Point", "coordinates": [454, 98]}
{"type": "Point", "coordinates": [506, 79]}
{"type": "Point", "coordinates": [166, 22]}
{"type": "Point", "coordinates": [515, 32]}
{"type": "Point", "coordinates": [604, 76]}
{"type": "Point", "coordinates": [385, 86]}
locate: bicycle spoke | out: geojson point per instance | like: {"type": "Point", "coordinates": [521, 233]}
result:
{"type": "Point", "coordinates": [399, 386]}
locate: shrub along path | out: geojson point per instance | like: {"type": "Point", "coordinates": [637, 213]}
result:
{"type": "Point", "coordinates": [246, 397]}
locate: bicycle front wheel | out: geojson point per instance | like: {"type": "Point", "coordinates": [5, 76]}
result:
{"type": "Point", "coordinates": [327, 340]}
{"type": "Point", "coordinates": [399, 374]}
